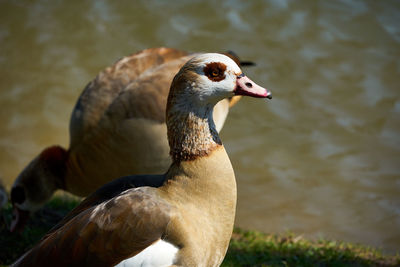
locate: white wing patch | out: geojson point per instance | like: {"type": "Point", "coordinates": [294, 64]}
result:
{"type": "Point", "coordinates": [160, 254]}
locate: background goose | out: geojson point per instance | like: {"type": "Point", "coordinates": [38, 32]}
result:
{"type": "Point", "coordinates": [184, 217]}
{"type": "Point", "coordinates": [117, 128]}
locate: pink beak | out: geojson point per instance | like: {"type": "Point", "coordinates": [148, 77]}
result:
{"type": "Point", "coordinates": [245, 86]}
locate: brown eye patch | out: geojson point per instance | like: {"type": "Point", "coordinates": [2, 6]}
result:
{"type": "Point", "coordinates": [215, 71]}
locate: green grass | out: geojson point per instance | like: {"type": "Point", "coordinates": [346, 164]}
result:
{"type": "Point", "coordinates": [250, 248]}
{"type": "Point", "coordinates": [13, 245]}
{"type": "Point", "coordinates": [247, 248]}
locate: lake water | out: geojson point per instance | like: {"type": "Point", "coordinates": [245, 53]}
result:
{"type": "Point", "coordinates": [321, 159]}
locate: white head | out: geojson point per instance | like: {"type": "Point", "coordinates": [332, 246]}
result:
{"type": "Point", "coordinates": [217, 75]}
{"type": "Point", "coordinates": [199, 85]}
{"type": "Point", "coordinates": [211, 77]}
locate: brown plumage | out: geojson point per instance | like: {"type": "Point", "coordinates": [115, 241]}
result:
{"type": "Point", "coordinates": [191, 207]}
{"type": "Point", "coordinates": [117, 128]}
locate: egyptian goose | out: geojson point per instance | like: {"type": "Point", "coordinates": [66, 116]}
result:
{"type": "Point", "coordinates": [182, 218]}
{"type": "Point", "coordinates": [117, 128]}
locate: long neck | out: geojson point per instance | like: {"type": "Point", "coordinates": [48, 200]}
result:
{"type": "Point", "coordinates": [191, 131]}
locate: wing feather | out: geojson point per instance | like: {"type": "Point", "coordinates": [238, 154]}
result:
{"type": "Point", "coordinates": [108, 191]}
{"type": "Point", "coordinates": [91, 237]}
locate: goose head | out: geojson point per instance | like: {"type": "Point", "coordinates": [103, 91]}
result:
{"type": "Point", "coordinates": [211, 77]}
{"type": "Point", "coordinates": [196, 88]}
{"type": "Point", "coordinates": [36, 184]}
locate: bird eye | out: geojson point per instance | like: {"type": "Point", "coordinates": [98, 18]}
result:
{"type": "Point", "coordinates": [215, 71]}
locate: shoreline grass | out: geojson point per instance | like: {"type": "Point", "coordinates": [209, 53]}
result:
{"type": "Point", "coordinates": [252, 248]}
{"type": "Point", "coordinates": [247, 248]}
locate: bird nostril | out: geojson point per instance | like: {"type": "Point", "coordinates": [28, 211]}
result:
{"type": "Point", "coordinates": [17, 195]}
{"type": "Point", "coordinates": [249, 85]}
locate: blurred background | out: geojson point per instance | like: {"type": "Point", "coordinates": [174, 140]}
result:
{"type": "Point", "coordinates": [322, 159]}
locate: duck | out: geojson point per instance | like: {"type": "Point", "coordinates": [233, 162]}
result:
{"type": "Point", "coordinates": [183, 217]}
{"type": "Point", "coordinates": [117, 128]}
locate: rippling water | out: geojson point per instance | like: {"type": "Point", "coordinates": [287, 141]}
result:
{"type": "Point", "coordinates": [321, 159]}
